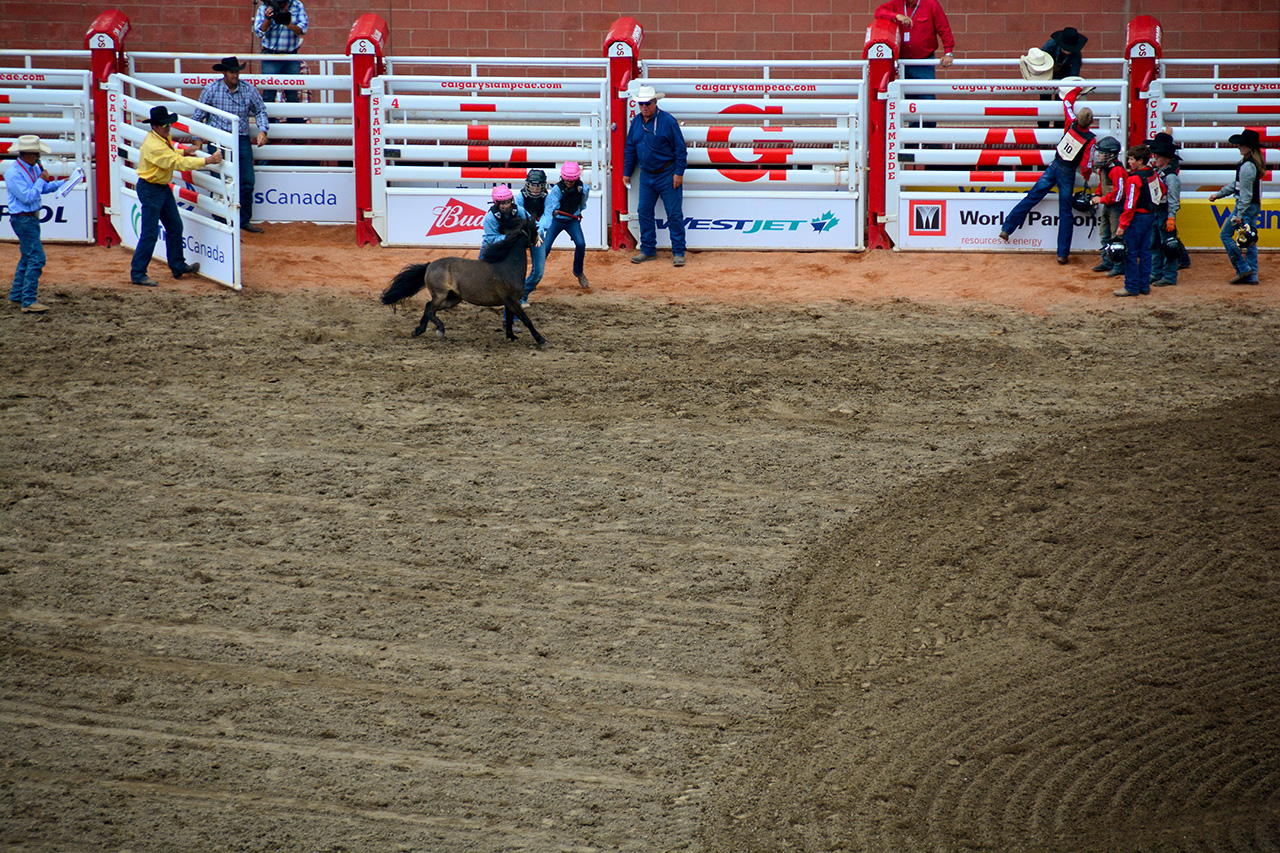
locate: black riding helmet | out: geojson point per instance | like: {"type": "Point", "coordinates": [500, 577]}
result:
{"type": "Point", "coordinates": [535, 183]}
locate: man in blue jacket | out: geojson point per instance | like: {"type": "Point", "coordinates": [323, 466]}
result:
{"type": "Point", "coordinates": [656, 143]}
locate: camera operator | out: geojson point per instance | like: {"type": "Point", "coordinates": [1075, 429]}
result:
{"type": "Point", "coordinates": [280, 25]}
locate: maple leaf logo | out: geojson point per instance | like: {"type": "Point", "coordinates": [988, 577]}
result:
{"type": "Point", "coordinates": [825, 222]}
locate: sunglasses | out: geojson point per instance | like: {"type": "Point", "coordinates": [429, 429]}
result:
{"type": "Point", "coordinates": [643, 103]}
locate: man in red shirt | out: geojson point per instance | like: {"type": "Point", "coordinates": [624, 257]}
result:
{"type": "Point", "coordinates": [922, 23]}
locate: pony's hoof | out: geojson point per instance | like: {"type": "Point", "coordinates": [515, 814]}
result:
{"type": "Point", "coordinates": [418, 331]}
{"type": "Point", "coordinates": [544, 344]}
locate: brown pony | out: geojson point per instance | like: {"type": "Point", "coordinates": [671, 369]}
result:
{"type": "Point", "coordinates": [498, 280]}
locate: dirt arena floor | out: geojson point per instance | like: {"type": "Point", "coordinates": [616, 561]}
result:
{"type": "Point", "coordinates": [776, 552]}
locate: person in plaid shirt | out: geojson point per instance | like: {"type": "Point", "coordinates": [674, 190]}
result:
{"type": "Point", "coordinates": [280, 25]}
{"type": "Point", "coordinates": [241, 99]}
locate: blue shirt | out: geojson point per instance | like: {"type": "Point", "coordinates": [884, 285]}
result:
{"type": "Point", "coordinates": [243, 101]}
{"type": "Point", "coordinates": [492, 230]}
{"type": "Point", "coordinates": [553, 204]}
{"type": "Point", "coordinates": [655, 145]}
{"type": "Point", "coordinates": [25, 187]}
{"type": "Point", "coordinates": [280, 39]}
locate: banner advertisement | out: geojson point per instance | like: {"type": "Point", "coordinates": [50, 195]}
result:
{"type": "Point", "coordinates": [216, 250]}
{"type": "Point", "coordinates": [971, 222]}
{"type": "Point", "coordinates": [455, 219]}
{"type": "Point", "coordinates": [325, 198]}
{"type": "Point", "coordinates": [62, 220]}
{"type": "Point", "coordinates": [740, 221]}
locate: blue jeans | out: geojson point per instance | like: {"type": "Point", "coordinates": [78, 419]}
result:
{"type": "Point", "coordinates": [158, 208]}
{"type": "Point", "coordinates": [1137, 253]}
{"type": "Point", "coordinates": [245, 165]}
{"type": "Point", "coordinates": [655, 185]}
{"type": "Point", "coordinates": [573, 228]}
{"type": "Point", "coordinates": [279, 68]}
{"type": "Point", "coordinates": [1063, 176]}
{"type": "Point", "coordinates": [1162, 267]}
{"type": "Point", "coordinates": [922, 72]}
{"type": "Point", "coordinates": [1248, 261]}
{"type": "Point", "coordinates": [26, 278]}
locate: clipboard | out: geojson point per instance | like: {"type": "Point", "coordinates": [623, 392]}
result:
{"type": "Point", "coordinates": [76, 177]}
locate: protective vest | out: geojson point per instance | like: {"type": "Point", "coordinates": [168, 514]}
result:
{"type": "Point", "coordinates": [1257, 179]}
{"type": "Point", "coordinates": [534, 205]}
{"type": "Point", "coordinates": [1071, 146]}
{"type": "Point", "coordinates": [1163, 204]}
{"type": "Point", "coordinates": [570, 197]}
{"type": "Point", "coordinates": [1150, 191]}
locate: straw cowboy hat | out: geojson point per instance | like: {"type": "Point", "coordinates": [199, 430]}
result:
{"type": "Point", "coordinates": [1071, 83]}
{"type": "Point", "coordinates": [646, 93]}
{"type": "Point", "coordinates": [1036, 65]}
{"type": "Point", "coordinates": [29, 143]}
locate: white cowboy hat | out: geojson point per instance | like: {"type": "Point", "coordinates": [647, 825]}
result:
{"type": "Point", "coordinates": [1070, 83]}
{"type": "Point", "coordinates": [29, 142]}
{"type": "Point", "coordinates": [646, 93]}
{"type": "Point", "coordinates": [1036, 65]}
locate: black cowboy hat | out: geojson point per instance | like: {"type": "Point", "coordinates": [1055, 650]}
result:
{"type": "Point", "coordinates": [230, 63]}
{"type": "Point", "coordinates": [161, 115]}
{"type": "Point", "coordinates": [1164, 147]}
{"type": "Point", "coordinates": [1069, 39]}
{"type": "Point", "coordinates": [1249, 137]}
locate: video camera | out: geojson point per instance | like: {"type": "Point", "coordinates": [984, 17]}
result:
{"type": "Point", "coordinates": [280, 13]}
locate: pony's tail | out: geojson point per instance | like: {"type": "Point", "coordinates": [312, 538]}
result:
{"type": "Point", "coordinates": [407, 282]}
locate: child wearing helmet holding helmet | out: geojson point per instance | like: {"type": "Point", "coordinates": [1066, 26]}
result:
{"type": "Point", "coordinates": [1165, 245]}
{"type": "Point", "coordinates": [500, 215]}
{"type": "Point", "coordinates": [1247, 188]}
{"type": "Point", "coordinates": [563, 212]}
{"type": "Point", "coordinates": [531, 203]}
{"type": "Point", "coordinates": [1109, 201]}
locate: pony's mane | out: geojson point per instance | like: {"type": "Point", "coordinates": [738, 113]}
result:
{"type": "Point", "coordinates": [498, 252]}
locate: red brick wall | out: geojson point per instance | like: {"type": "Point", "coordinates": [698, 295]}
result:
{"type": "Point", "coordinates": [674, 29]}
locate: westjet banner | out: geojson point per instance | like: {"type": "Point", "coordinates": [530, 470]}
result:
{"type": "Point", "coordinates": [740, 221]}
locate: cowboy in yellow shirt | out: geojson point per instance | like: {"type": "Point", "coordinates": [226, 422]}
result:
{"type": "Point", "coordinates": [158, 160]}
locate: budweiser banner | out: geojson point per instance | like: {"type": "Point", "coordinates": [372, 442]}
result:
{"type": "Point", "coordinates": [454, 218]}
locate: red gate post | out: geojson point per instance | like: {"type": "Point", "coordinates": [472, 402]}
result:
{"type": "Point", "coordinates": [881, 52]}
{"type": "Point", "coordinates": [1143, 50]}
{"type": "Point", "coordinates": [105, 41]}
{"type": "Point", "coordinates": [622, 48]}
{"type": "Point", "coordinates": [366, 46]}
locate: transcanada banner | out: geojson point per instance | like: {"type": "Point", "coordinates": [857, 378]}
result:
{"type": "Point", "coordinates": [323, 197]}
{"type": "Point", "coordinates": [217, 250]}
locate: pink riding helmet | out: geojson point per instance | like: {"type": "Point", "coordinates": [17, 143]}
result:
{"type": "Point", "coordinates": [502, 192]}
{"type": "Point", "coordinates": [571, 171]}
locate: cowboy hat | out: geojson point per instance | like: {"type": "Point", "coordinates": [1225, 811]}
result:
{"type": "Point", "coordinates": [29, 143]}
{"type": "Point", "coordinates": [1249, 137]}
{"type": "Point", "coordinates": [161, 115]}
{"type": "Point", "coordinates": [1036, 65]}
{"type": "Point", "coordinates": [645, 94]}
{"type": "Point", "coordinates": [1069, 39]}
{"type": "Point", "coordinates": [1164, 147]}
{"type": "Point", "coordinates": [230, 63]}
{"type": "Point", "coordinates": [1071, 83]}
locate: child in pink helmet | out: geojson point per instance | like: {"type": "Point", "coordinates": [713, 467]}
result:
{"type": "Point", "coordinates": [563, 212]}
{"type": "Point", "coordinates": [501, 212]}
